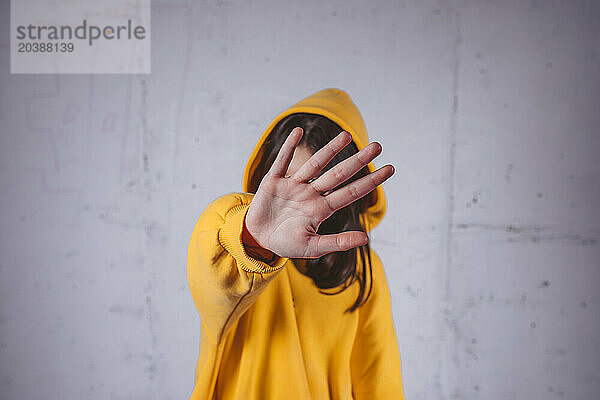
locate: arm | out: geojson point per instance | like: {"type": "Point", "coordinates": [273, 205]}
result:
{"type": "Point", "coordinates": [223, 278]}
{"type": "Point", "coordinates": [281, 219]}
{"type": "Point", "coordinates": [375, 359]}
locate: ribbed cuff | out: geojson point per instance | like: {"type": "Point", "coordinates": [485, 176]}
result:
{"type": "Point", "coordinates": [230, 237]}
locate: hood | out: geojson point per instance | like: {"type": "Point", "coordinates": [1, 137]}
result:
{"type": "Point", "coordinates": [336, 105]}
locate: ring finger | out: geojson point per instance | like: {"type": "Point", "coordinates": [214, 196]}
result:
{"type": "Point", "coordinates": [346, 169]}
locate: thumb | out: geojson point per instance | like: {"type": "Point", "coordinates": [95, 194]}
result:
{"type": "Point", "coordinates": [320, 245]}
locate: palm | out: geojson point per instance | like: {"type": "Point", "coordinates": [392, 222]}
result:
{"type": "Point", "coordinates": [286, 212]}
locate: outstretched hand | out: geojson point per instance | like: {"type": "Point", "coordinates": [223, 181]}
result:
{"type": "Point", "coordinates": [286, 211]}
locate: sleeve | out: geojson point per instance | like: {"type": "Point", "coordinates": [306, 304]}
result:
{"type": "Point", "coordinates": [375, 359]}
{"type": "Point", "coordinates": [223, 279]}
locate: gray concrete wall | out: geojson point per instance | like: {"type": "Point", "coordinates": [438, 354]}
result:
{"type": "Point", "coordinates": [488, 110]}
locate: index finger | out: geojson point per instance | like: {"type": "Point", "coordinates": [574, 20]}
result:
{"type": "Point", "coordinates": [284, 157]}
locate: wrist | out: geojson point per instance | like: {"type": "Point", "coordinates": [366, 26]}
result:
{"type": "Point", "coordinates": [254, 249]}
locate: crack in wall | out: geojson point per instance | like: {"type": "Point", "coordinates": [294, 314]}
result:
{"type": "Point", "coordinates": [445, 367]}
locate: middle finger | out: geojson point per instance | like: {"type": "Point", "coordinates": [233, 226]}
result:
{"type": "Point", "coordinates": [320, 159]}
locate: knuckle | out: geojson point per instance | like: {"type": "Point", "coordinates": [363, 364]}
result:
{"type": "Point", "coordinates": [353, 192]}
{"type": "Point", "coordinates": [339, 242]}
{"type": "Point", "coordinates": [295, 179]}
{"type": "Point", "coordinates": [314, 163]}
{"type": "Point", "coordinates": [329, 207]}
{"type": "Point", "coordinates": [331, 149]}
{"type": "Point", "coordinates": [338, 173]}
{"type": "Point", "coordinates": [373, 179]}
{"type": "Point", "coordinates": [315, 186]}
{"type": "Point", "coordinates": [362, 158]}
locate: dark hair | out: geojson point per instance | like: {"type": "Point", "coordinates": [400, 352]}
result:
{"type": "Point", "coordinates": [338, 268]}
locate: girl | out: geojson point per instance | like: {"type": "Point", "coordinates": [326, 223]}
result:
{"type": "Point", "coordinates": [262, 265]}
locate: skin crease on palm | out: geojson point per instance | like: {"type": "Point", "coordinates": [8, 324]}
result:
{"type": "Point", "coordinates": [294, 197]}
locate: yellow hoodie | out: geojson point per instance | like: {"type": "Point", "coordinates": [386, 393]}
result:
{"type": "Point", "coordinates": [266, 331]}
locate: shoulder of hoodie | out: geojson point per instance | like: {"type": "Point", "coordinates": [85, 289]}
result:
{"type": "Point", "coordinates": [218, 208]}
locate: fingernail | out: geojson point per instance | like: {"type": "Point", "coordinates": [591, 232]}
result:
{"type": "Point", "coordinates": [379, 147]}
